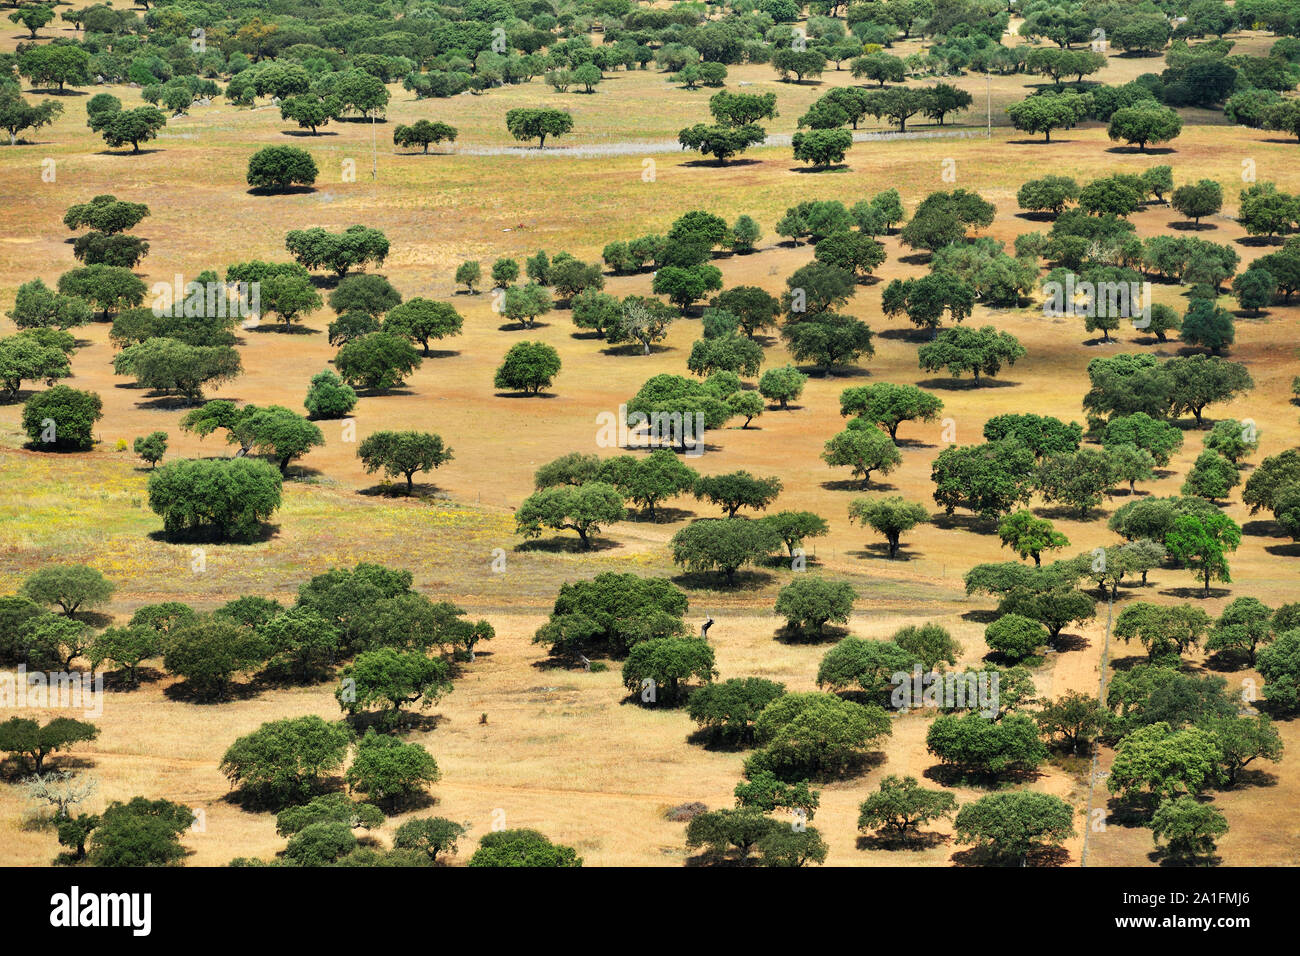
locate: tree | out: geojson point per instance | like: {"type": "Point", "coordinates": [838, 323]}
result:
{"type": "Point", "coordinates": [281, 433]}
{"type": "Point", "coordinates": [755, 308]}
{"type": "Point", "coordinates": [421, 133]}
{"type": "Point", "coordinates": [1162, 762]}
{"type": "Point", "coordinates": [372, 295]}
{"type": "Point", "coordinates": [421, 320]}
{"type": "Point", "coordinates": [829, 339]}
{"type": "Point", "coordinates": [25, 737]}
{"type": "Point", "coordinates": [36, 306]}
{"type": "Point", "coordinates": [60, 64]}
{"type": "Point", "coordinates": [17, 115]}
{"type": "Point", "coordinates": [742, 109]}
{"type": "Point", "coordinates": [1045, 112]}
{"type": "Point", "coordinates": [1144, 124]}
{"type": "Point", "coordinates": [881, 67]}
{"type": "Point", "coordinates": [1015, 637]}
{"type": "Point", "coordinates": [901, 806]}
{"type": "Point", "coordinates": [228, 498]}
{"type": "Point", "coordinates": [1254, 289]}
{"type": "Point", "coordinates": [140, 832]}
{"type": "Point", "coordinates": [584, 508]}
{"type": "Point", "coordinates": [988, 479]}
{"type": "Point", "coordinates": [1012, 825]}
{"type": "Point", "coordinates": [468, 274]}
{"type": "Point", "coordinates": [1207, 325]}
{"type": "Point", "coordinates": [738, 489]}
{"type": "Point", "coordinates": [890, 517]}
{"type": "Point", "coordinates": [522, 848]}
{"type": "Point", "coordinates": [301, 645]}
{"type": "Point", "coordinates": [33, 355]}
{"type": "Point", "coordinates": [1076, 718]}
{"type": "Point", "coordinates": [822, 147]}
{"type": "Point", "coordinates": [1279, 663]}
{"type": "Point", "coordinates": [802, 63]}
{"type": "Point", "coordinates": [62, 418]}
{"type": "Point", "coordinates": [124, 646]}
{"type": "Point", "coordinates": [389, 771]}
{"type": "Point", "coordinates": [403, 453]}
{"type": "Point", "coordinates": [524, 303]}
{"type": "Point", "coordinates": [889, 405]}
{"type": "Point", "coordinates": [1049, 194]}
{"type": "Point", "coordinates": [329, 396]}
{"type": "Point", "coordinates": [720, 142]}
{"type": "Point", "coordinates": [1030, 536]}
{"type": "Point", "coordinates": [280, 168]}
{"type": "Point", "coordinates": [1200, 380]}
{"type": "Point", "coordinates": [815, 734]}
{"type": "Point", "coordinates": [782, 385]}
{"type": "Point", "coordinates": [729, 353]}
{"type": "Point", "coordinates": [809, 603]}
{"type": "Point", "coordinates": [872, 666]}
{"type": "Point", "coordinates": [283, 760]}
{"type": "Point", "coordinates": [722, 544]}
{"type": "Point", "coordinates": [1244, 625]}
{"type": "Point", "coordinates": [1242, 741]}
{"type": "Point", "coordinates": [1212, 476]}
{"type": "Point", "coordinates": [961, 349]}
{"type": "Point", "coordinates": [392, 679]}
{"type": "Point", "coordinates": [429, 835]}
{"type": "Point", "coordinates": [378, 361]}
{"type": "Point", "coordinates": [69, 586]}
{"type": "Point", "coordinates": [1188, 826]}
{"type": "Point", "coordinates": [134, 126]}
{"type": "Point", "coordinates": [1201, 543]}
{"type": "Point", "coordinates": [977, 743]}
{"type": "Point", "coordinates": [33, 17]}
{"type": "Point", "coordinates": [646, 481]}
{"type": "Point", "coordinates": [662, 665]}
{"type": "Point", "coordinates": [171, 365]}
{"type": "Point", "coordinates": [1142, 431]}
{"type": "Point", "coordinates": [526, 124]}
{"type": "Point", "coordinates": [208, 652]}
{"type": "Point", "coordinates": [720, 830]}
{"type": "Point", "coordinates": [1080, 479]}
{"type": "Point", "coordinates": [528, 367]}
{"type": "Point", "coordinates": [340, 252]}
{"type": "Point", "coordinates": [1199, 199]}
{"type": "Point", "coordinates": [794, 527]}
{"type": "Point", "coordinates": [727, 709]}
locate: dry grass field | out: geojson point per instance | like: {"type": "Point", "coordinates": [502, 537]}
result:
{"type": "Point", "coordinates": [562, 750]}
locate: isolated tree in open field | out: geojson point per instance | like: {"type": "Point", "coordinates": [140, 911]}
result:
{"type": "Point", "coordinates": [422, 133]}
{"type": "Point", "coordinates": [389, 770]}
{"type": "Point", "coordinates": [329, 396]}
{"type": "Point", "coordinates": [1144, 124]}
{"type": "Point", "coordinates": [782, 385]}
{"type": "Point", "coordinates": [55, 64]}
{"type": "Point", "coordinates": [390, 680]}
{"type": "Point", "coordinates": [1045, 112]}
{"type": "Point", "coordinates": [340, 252]}
{"type": "Point", "coordinates": [422, 320]}
{"type": "Point", "coordinates": [403, 453]}
{"type": "Point", "coordinates": [902, 806]}
{"type": "Point", "coordinates": [721, 142]}
{"type": "Point", "coordinates": [1201, 543]}
{"type": "Point", "coordinates": [662, 666]}
{"type": "Point", "coordinates": [528, 367]}
{"type": "Point", "coordinates": [228, 497]}
{"type": "Point", "coordinates": [62, 418]}
{"type": "Point", "coordinates": [528, 124]}
{"type": "Point", "coordinates": [809, 603]}
{"type": "Point", "coordinates": [522, 848]}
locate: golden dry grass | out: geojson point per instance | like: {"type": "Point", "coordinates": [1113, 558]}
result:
{"type": "Point", "coordinates": [561, 750]}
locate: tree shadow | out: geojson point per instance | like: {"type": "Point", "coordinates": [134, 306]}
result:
{"type": "Point", "coordinates": [1137, 151]}
{"type": "Point", "coordinates": [208, 534]}
{"type": "Point", "coordinates": [856, 484]}
{"type": "Point", "coordinates": [834, 168]}
{"type": "Point", "coordinates": [716, 581]}
{"type": "Point", "coordinates": [397, 489]}
{"type": "Point", "coordinates": [788, 634]}
{"type": "Point", "coordinates": [307, 134]}
{"type": "Point", "coordinates": [277, 190]}
{"type": "Point", "coordinates": [1187, 225]}
{"type": "Point", "coordinates": [953, 384]}
{"type": "Point", "coordinates": [1187, 594]}
{"type": "Point", "coordinates": [913, 841]}
{"type": "Point", "coordinates": [293, 328]}
{"type": "Point", "coordinates": [1041, 856]}
{"type": "Point", "coordinates": [565, 545]}
{"type": "Point", "coordinates": [525, 395]}
{"type": "Point", "coordinates": [880, 551]}
{"type": "Point", "coordinates": [184, 692]}
{"type": "Point", "coordinates": [975, 524]}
